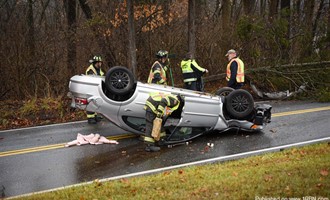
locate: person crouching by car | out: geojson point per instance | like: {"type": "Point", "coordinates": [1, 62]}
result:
{"type": "Point", "coordinates": [157, 106]}
{"type": "Point", "coordinates": [158, 70]}
{"type": "Point", "coordinates": [94, 69]}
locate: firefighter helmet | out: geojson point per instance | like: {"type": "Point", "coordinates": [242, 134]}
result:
{"type": "Point", "coordinates": [96, 59]}
{"type": "Point", "coordinates": [162, 54]}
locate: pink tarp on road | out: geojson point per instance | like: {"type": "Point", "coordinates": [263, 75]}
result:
{"type": "Point", "coordinates": [90, 139]}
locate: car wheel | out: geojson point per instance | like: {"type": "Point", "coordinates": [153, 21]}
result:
{"type": "Point", "coordinates": [224, 91]}
{"type": "Point", "coordinates": [119, 80]}
{"type": "Point", "coordinates": [239, 104]}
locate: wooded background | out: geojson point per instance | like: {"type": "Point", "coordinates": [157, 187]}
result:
{"type": "Point", "coordinates": [45, 42]}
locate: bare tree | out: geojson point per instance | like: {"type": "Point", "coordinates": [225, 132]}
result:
{"type": "Point", "coordinates": [248, 6]}
{"type": "Point", "coordinates": [226, 17]}
{"type": "Point", "coordinates": [52, 40]}
{"type": "Point", "coordinates": [31, 46]}
{"type": "Point", "coordinates": [131, 37]}
{"type": "Point", "coordinates": [71, 6]}
{"type": "Point", "coordinates": [273, 10]}
{"type": "Point", "coordinates": [309, 13]}
{"type": "Point", "coordinates": [263, 6]}
{"type": "Point", "coordinates": [109, 56]}
{"type": "Point", "coordinates": [285, 16]}
{"type": "Point", "coordinates": [191, 27]}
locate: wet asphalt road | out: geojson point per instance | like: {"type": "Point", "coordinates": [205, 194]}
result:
{"type": "Point", "coordinates": [28, 171]}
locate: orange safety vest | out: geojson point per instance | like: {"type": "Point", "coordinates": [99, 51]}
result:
{"type": "Point", "coordinates": [240, 70]}
{"type": "Point", "coordinates": [162, 74]}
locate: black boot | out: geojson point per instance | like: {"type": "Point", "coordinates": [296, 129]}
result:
{"type": "Point", "coordinates": [98, 118]}
{"type": "Point", "coordinates": [152, 148]}
{"type": "Point", "coordinates": [91, 121]}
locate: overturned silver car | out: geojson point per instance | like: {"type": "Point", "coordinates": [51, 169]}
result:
{"type": "Point", "coordinates": [120, 99]}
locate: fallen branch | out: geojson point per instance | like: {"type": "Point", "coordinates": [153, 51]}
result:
{"type": "Point", "coordinates": [277, 95]}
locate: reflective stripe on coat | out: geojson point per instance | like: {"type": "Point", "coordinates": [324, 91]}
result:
{"type": "Point", "coordinates": [240, 70]}
{"type": "Point", "coordinates": [188, 72]}
{"type": "Point", "coordinates": [163, 103]}
{"type": "Point", "coordinates": [161, 71]}
{"type": "Point", "coordinates": [91, 67]}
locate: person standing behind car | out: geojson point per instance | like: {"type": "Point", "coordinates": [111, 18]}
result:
{"type": "Point", "coordinates": [235, 70]}
{"type": "Point", "coordinates": [158, 70]}
{"type": "Point", "coordinates": [94, 69]}
{"type": "Point", "coordinates": [158, 105]}
{"type": "Point", "coordinates": [192, 73]}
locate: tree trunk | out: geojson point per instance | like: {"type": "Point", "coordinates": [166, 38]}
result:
{"type": "Point", "coordinates": [318, 17]}
{"type": "Point", "coordinates": [109, 56]}
{"type": "Point", "coordinates": [31, 48]}
{"type": "Point", "coordinates": [71, 36]}
{"type": "Point", "coordinates": [191, 27]}
{"type": "Point", "coordinates": [285, 15]}
{"type": "Point", "coordinates": [131, 38]}
{"type": "Point", "coordinates": [308, 22]}
{"type": "Point", "coordinates": [328, 27]}
{"type": "Point", "coordinates": [273, 10]}
{"type": "Point", "coordinates": [226, 14]}
{"type": "Point", "coordinates": [86, 9]}
{"type": "Point", "coordinates": [285, 4]}
{"type": "Point", "coordinates": [248, 6]}
{"type": "Point", "coordinates": [262, 7]}
{"type": "Point", "coordinates": [308, 11]}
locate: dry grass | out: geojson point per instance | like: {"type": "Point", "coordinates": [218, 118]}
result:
{"type": "Point", "coordinates": [293, 173]}
{"type": "Point", "coordinates": [34, 112]}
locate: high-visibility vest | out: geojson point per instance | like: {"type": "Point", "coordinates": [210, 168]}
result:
{"type": "Point", "coordinates": [162, 73]}
{"type": "Point", "coordinates": [91, 67]}
{"type": "Point", "coordinates": [188, 73]}
{"type": "Point", "coordinates": [240, 70]}
{"type": "Point", "coordinates": [155, 105]}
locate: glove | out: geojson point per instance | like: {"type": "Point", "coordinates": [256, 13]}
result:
{"type": "Point", "coordinates": [159, 115]}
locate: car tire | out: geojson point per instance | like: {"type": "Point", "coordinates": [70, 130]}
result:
{"type": "Point", "coordinates": [239, 104]}
{"type": "Point", "coordinates": [119, 80]}
{"type": "Point", "coordinates": [224, 91]}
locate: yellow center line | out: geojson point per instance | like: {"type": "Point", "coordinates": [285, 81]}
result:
{"type": "Point", "coordinates": [54, 146]}
{"type": "Point", "coordinates": [124, 136]}
{"type": "Point", "coordinates": [300, 111]}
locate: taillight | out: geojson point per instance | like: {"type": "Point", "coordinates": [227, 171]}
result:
{"type": "Point", "coordinates": [81, 101]}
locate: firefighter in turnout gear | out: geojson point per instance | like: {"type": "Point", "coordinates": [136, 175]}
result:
{"type": "Point", "coordinates": [192, 73]}
{"type": "Point", "coordinates": [94, 69]}
{"type": "Point", "coordinates": [158, 70]}
{"type": "Point", "coordinates": [157, 106]}
{"type": "Point", "coordinates": [235, 70]}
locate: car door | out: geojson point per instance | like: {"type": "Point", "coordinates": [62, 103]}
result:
{"type": "Point", "coordinates": [200, 112]}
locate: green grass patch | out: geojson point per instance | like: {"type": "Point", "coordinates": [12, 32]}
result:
{"type": "Point", "coordinates": [293, 173]}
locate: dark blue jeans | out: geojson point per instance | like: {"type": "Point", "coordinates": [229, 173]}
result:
{"type": "Point", "coordinates": [236, 86]}
{"type": "Point", "coordinates": [190, 85]}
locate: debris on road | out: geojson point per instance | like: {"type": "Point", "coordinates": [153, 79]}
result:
{"type": "Point", "coordinates": [210, 145]}
{"type": "Point", "coordinates": [177, 144]}
{"type": "Point", "coordinates": [90, 139]}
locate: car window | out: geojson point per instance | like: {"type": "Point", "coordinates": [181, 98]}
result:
{"type": "Point", "coordinates": [173, 133]}
{"type": "Point", "coordinates": [136, 123]}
